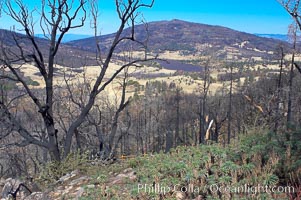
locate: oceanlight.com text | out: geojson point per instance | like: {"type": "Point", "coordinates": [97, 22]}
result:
{"type": "Point", "coordinates": [247, 189]}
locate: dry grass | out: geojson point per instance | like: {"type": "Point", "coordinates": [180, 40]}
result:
{"type": "Point", "coordinates": [113, 90]}
{"type": "Point", "coordinates": [91, 72]}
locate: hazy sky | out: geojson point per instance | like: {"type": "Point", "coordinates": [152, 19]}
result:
{"type": "Point", "coordinates": [252, 16]}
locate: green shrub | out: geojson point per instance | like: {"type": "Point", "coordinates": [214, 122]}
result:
{"type": "Point", "coordinates": [52, 171]}
{"type": "Point", "coordinates": [32, 82]}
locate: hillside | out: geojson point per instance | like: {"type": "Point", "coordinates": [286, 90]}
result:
{"type": "Point", "coordinates": [192, 39]}
{"type": "Point", "coordinates": [67, 55]}
{"type": "Point", "coordinates": [253, 168]}
{"type": "Point", "coordinates": [173, 40]}
{"type": "Point", "coordinates": [169, 129]}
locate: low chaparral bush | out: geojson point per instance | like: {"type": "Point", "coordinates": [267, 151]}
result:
{"type": "Point", "coordinates": [258, 158]}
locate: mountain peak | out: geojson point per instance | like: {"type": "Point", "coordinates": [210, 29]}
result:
{"type": "Point", "coordinates": [179, 20]}
{"type": "Point", "coordinates": [194, 39]}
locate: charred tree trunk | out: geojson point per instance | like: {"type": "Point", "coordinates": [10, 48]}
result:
{"type": "Point", "coordinates": [278, 92]}
{"type": "Point", "coordinates": [203, 103]}
{"type": "Point", "coordinates": [230, 106]}
{"type": "Point", "coordinates": [177, 129]}
{"type": "Point", "coordinates": [293, 31]}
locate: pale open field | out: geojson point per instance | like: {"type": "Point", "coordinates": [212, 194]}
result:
{"type": "Point", "coordinates": [91, 72]}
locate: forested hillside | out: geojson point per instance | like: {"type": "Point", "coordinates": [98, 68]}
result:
{"type": "Point", "coordinates": [158, 110]}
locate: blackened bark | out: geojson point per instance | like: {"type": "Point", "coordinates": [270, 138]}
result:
{"type": "Point", "coordinates": [230, 106]}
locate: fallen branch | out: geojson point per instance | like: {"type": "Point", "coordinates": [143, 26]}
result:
{"type": "Point", "coordinates": [14, 194]}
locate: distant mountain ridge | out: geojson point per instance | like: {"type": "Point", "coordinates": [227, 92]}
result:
{"type": "Point", "coordinates": [282, 37]}
{"type": "Point", "coordinates": [191, 39]}
{"type": "Point", "coordinates": [67, 55]}
{"type": "Point", "coordinates": [68, 37]}
{"type": "Point", "coordinates": [186, 38]}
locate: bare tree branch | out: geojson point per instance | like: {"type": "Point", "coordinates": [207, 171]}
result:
{"type": "Point", "coordinates": [126, 11]}
{"type": "Point", "coordinates": [16, 126]}
{"type": "Point", "coordinates": [298, 67]}
{"type": "Point", "coordinates": [293, 9]}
